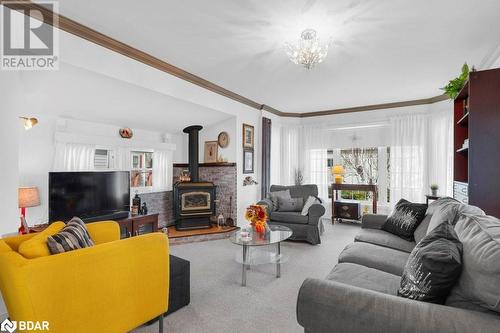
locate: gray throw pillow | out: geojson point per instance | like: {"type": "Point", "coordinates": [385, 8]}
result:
{"type": "Point", "coordinates": [479, 281]}
{"type": "Point", "coordinates": [421, 230]}
{"type": "Point", "coordinates": [449, 210]}
{"type": "Point", "coordinates": [274, 196]}
{"type": "Point", "coordinates": [290, 205]}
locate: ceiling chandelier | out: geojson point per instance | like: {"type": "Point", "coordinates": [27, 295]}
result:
{"type": "Point", "coordinates": [308, 50]}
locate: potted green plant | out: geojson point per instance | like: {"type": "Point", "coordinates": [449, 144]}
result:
{"type": "Point", "coordinates": [434, 189]}
{"type": "Point", "coordinates": [452, 89]}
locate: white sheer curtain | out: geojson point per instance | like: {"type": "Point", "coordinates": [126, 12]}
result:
{"type": "Point", "coordinates": [421, 154]}
{"type": "Point", "coordinates": [289, 154]}
{"type": "Point", "coordinates": [74, 157]}
{"type": "Point", "coordinates": [162, 171]}
{"type": "Point", "coordinates": [122, 159]}
{"type": "Point", "coordinates": [408, 157]}
{"type": "Point", "coordinates": [316, 170]}
{"type": "Point", "coordinates": [440, 154]}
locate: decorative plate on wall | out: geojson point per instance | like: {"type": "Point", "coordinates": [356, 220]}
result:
{"type": "Point", "coordinates": [126, 133]}
{"type": "Point", "coordinates": [223, 139]}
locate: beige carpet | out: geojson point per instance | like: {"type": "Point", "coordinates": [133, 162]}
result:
{"type": "Point", "coordinates": [220, 304]}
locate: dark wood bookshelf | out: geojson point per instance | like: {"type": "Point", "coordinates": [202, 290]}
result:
{"type": "Point", "coordinates": [477, 118]}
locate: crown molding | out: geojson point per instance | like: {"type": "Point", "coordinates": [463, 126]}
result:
{"type": "Point", "coordinates": [77, 29]}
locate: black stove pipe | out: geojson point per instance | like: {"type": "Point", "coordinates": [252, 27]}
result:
{"type": "Point", "coordinates": [193, 150]}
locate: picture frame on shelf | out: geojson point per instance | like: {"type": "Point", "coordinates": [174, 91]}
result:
{"type": "Point", "coordinates": [248, 136]}
{"type": "Point", "coordinates": [248, 161]}
{"type": "Point", "coordinates": [211, 151]}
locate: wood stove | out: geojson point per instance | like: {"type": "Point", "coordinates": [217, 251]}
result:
{"type": "Point", "coordinates": [194, 201]}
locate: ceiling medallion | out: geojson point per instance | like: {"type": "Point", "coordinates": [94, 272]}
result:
{"type": "Point", "coordinates": [308, 50]}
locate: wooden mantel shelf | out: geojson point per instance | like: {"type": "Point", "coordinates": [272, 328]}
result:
{"type": "Point", "coordinates": [201, 165]}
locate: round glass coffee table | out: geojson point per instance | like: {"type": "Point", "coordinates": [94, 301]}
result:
{"type": "Point", "coordinates": [275, 235]}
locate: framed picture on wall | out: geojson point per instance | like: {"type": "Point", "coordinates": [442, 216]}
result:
{"type": "Point", "coordinates": [248, 136]}
{"type": "Point", "coordinates": [211, 151]}
{"type": "Point", "coordinates": [248, 160]}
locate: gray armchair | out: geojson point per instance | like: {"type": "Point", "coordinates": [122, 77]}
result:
{"type": "Point", "coordinates": [307, 228]}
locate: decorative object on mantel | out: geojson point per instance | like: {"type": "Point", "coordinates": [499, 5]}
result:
{"type": "Point", "coordinates": [221, 159]}
{"type": "Point", "coordinates": [249, 181]}
{"type": "Point", "coordinates": [338, 172]}
{"type": "Point", "coordinates": [257, 216]}
{"type": "Point", "coordinates": [453, 88]}
{"type": "Point", "coordinates": [248, 136]}
{"type": "Point", "coordinates": [126, 133]}
{"type": "Point", "coordinates": [248, 161]}
{"type": "Point", "coordinates": [223, 139]}
{"type": "Point", "coordinates": [299, 177]}
{"type": "Point", "coordinates": [144, 209]}
{"type": "Point", "coordinates": [308, 51]}
{"type": "Point", "coordinates": [211, 151]}
{"type": "Point", "coordinates": [136, 204]}
{"type": "Point", "coordinates": [229, 220]}
{"type": "Point", "coordinates": [434, 189]}
{"type": "Point", "coordinates": [28, 123]}
{"type": "Point", "coordinates": [185, 176]}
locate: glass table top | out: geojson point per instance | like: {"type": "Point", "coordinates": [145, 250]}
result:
{"type": "Point", "coordinates": [276, 234]}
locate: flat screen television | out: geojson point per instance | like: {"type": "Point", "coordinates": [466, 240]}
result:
{"type": "Point", "coordinates": [91, 196]}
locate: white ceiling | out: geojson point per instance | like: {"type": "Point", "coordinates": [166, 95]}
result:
{"type": "Point", "coordinates": [383, 50]}
{"type": "Point", "coordinates": [76, 93]}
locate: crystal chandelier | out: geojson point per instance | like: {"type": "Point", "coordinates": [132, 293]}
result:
{"type": "Point", "coordinates": [308, 50]}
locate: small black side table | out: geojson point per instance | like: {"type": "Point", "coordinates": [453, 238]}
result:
{"type": "Point", "coordinates": [431, 197]}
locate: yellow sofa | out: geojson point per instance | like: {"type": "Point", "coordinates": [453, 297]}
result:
{"type": "Point", "coordinates": [112, 287]}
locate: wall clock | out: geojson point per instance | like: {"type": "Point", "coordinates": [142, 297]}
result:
{"type": "Point", "coordinates": [223, 139]}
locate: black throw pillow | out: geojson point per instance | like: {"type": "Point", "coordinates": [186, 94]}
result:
{"type": "Point", "coordinates": [73, 236]}
{"type": "Point", "coordinates": [433, 267]}
{"type": "Point", "coordinates": [405, 219]}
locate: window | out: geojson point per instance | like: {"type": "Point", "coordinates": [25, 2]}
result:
{"type": "Point", "coordinates": [103, 159]}
{"type": "Point", "coordinates": [362, 166]}
{"type": "Point", "coordinates": [141, 174]}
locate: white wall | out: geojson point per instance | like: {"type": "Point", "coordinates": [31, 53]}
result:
{"type": "Point", "coordinates": [37, 149]}
{"type": "Point", "coordinates": [11, 106]}
{"type": "Point", "coordinates": [212, 132]}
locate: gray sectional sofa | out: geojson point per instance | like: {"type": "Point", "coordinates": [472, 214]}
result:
{"type": "Point", "coordinates": [360, 293]}
{"type": "Point", "coordinates": [305, 227]}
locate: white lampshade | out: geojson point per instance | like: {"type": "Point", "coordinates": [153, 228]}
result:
{"type": "Point", "coordinates": [28, 197]}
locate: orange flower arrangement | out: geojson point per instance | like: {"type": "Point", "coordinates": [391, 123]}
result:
{"type": "Point", "coordinates": [257, 215]}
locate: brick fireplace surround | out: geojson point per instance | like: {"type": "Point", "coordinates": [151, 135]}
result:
{"type": "Point", "coordinates": [223, 175]}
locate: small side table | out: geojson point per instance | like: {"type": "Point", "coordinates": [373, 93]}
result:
{"type": "Point", "coordinates": [431, 197]}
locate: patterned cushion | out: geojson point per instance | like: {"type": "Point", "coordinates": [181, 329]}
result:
{"type": "Point", "coordinates": [73, 236]}
{"type": "Point", "coordinates": [405, 219]}
{"type": "Point", "coordinates": [433, 267]}
{"type": "Point", "coordinates": [290, 205]}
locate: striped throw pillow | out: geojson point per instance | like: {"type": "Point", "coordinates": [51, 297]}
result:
{"type": "Point", "coordinates": [73, 236]}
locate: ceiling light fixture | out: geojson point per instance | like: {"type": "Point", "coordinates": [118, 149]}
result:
{"type": "Point", "coordinates": [28, 123]}
{"type": "Point", "coordinates": [308, 50]}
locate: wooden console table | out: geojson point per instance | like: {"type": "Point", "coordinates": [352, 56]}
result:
{"type": "Point", "coordinates": [135, 225]}
{"type": "Point", "coordinates": [353, 187]}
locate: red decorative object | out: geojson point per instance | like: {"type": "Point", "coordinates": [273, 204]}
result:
{"type": "Point", "coordinates": [126, 133]}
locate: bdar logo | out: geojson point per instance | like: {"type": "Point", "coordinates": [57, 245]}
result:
{"type": "Point", "coordinates": [8, 326]}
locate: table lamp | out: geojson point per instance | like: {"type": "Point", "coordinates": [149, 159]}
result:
{"type": "Point", "coordinates": [338, 171]}
{"type": "Point", "coordinates": [28, 197]}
